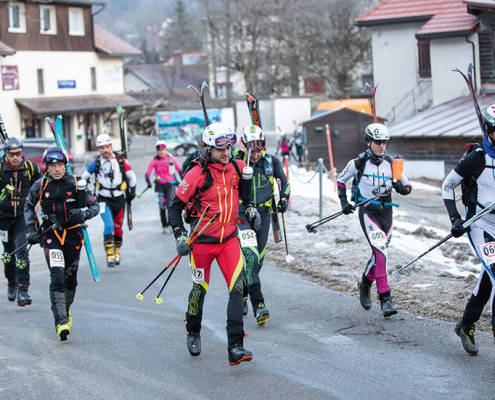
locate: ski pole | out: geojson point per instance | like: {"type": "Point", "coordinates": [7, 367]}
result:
{"type": "Point", "coordinates": [140, 195]}
{"type": "Point", "coordinates": [287, 257]}
{"type": "Point", "coordinates": [139, 296]}
{"type": "Point", "coordinates": [311, 227]}
{"type": "Point", "coordinates": [407, 271]}
{"type": "Point", "coordinates": [158, 299]}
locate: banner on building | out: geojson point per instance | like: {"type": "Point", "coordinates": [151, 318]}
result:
{"type": "Point", "coordinates": [66, 84]}
{"type": "Point", "coordinates": [10, 77]}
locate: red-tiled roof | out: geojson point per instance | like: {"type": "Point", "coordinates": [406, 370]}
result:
{"type": "Point", "coordinates": [111, 45]}
{"type": "Point", "coordinates": [6, 50]}
{"type": "Point", "coordinates": [443, 17]}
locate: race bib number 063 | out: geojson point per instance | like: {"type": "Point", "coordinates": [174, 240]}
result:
{"type": "Point", "coordinates": [56, 258]}
{"type": "Point", "coordinates": [488, 252]}
{"type": "Point", "coordinates": [248, 238]}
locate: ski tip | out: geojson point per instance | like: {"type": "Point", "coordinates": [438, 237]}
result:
{"type": "Point", "coordinates": [158, 300]}
{"type": "Point", "coordinates": [139, 296]}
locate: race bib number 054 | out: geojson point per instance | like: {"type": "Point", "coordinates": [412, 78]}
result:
{"type": "Point", "coordinates": [198, 275]}
{"type": "Point", "coordinates": [378, 238]}
{"type": "Point", "coordinates": [56, 258]}
{"type": "Point", "coordinates": [248, 238]}
{"type": "Point", "coordinates": [488, 252]}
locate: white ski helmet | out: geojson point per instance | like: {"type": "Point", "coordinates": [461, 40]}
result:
{"type": "Point", "coordinates": [489, 119]}
{"type": "Point", "coordinates": [219, 135]}
{"type": "Point", "coordinates": [376, 131]}
{"type": "Point", "coordinates": [103, 139]}
{"type": "Point", "coordinates": [160, 143]}
{"type": "Point", "coordinates": [253, 133]}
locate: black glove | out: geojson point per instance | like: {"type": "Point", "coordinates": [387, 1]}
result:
{"type": "Point", "coordinates": [282, 205]}
{"type": "Point", "coordinates": [77, 216]}
{"type": "Point", "coordinates": [32, 237]}
{"type": "Point", "coordinates": [253, 217]}
{"type": "Point", "coordinates": [400, 188]}
{"type": "Point", "coordinates": [132, 193]}
{"type": "Point", "coordinates": [182, 248]}
{"type": "Point", "coordinates": [457, 229]}
{"type": "Point", "coordinates": [346, 207]}
{"type": "Point", "coordinates": [148, 182]}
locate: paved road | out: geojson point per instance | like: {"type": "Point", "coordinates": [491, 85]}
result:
{"type": "Point", "coordinates": [318, 344]}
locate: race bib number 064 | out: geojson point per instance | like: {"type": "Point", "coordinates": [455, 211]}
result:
{"type": "Point", "coordinates": [248, 238]}
{"type": "Point", "coordinates": [56, 258]}
{"type": "Point", "coordinates": [488, 252]}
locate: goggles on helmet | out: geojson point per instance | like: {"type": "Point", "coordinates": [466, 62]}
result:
{"type": "Point", "coordinates": [256, 145]}
{"type": "Point", "coordinates": [54, 156]}
{"type": "Point", "coordinates": [222, 142]}
{"type": "Point", "coordinates": [160, 146]}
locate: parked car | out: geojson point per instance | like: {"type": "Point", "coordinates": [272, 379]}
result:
{"type": "Point", "coordinates": [180, 141]}
{"type": "Point", "coordinates": [34, 148]}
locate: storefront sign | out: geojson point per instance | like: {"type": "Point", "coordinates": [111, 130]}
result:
{"type": "Point", "coordinates": [10, 77]}
{"type": "Point", "coordinates": [66, 84]}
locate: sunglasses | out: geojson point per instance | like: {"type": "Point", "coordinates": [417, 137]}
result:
{"type": "Point", "coordinates": [222, 142]}
{"type": "Point", "coordinates": [380, 142]}
{"type": "Point", "coordinates": [14, 154]}
{"type": "Point", "coordinates": [258, 145]}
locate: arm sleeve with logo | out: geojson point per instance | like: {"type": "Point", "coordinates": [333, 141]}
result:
{"type": "Point", "coordinates": [278, 173]}
{"type": "Point", "coordinates": [131, 176]}
{"type": "Point", "coordinates": [350, 171]}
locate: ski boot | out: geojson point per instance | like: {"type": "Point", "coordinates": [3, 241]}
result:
{"type": "Point", "coordinates": [466, 333]}
{"type": "Point", "coordinates": [23, 298]}
{"type": "Point", "coordinates": [109, 248]}
{"type": "Point", "coordinates": [194, 343]}
{"type": "Point", "coordinates": [63, 330]}
{"type": "Point", "coordinates": [70, 319]}
{"type": "Point", "coordinates": [11, 291]}
{"type": "Point", "coordinates": [238, 354]}
{"type": "Point", "coordinates": [118, 245]}
{"type": "Point", "coordinates": [246, 308]}
{"type": "Point", "coordinates": [364, 293]}
{"type": "Point", "coordinates": [261, 314]}
{"type": "Point", "coordinates": [388, 307]}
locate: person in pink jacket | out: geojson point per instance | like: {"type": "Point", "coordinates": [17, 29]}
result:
{"type": "Point", "coordinates": [167, 172]}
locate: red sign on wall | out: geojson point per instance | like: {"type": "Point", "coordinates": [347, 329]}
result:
{"type": "Point", "coordinates": [10, 77]}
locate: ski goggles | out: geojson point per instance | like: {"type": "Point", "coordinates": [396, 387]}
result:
{"type": "Point", "coordinates": [161, 147]}
{"type": "Point", "coordinates": [222, 142]}
{"type": "Point", "coordinates": [258, 145]}
{"type": "Point", "coordinates": [55, 156]}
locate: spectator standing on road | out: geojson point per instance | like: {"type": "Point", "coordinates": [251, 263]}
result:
{"type": "Point", "coordinates": [297, 141]}
{"type": "Point", "coordinates": [283, 146]}
{"type": "Point", "coordinates": [167, 171]}
{"type": "Point", "coordinates": [17, 175]}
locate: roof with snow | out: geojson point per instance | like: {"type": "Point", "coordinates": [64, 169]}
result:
{"type": "Point", "coordinates": [442, 17]}
{"type": "Point", "coordinates": [111, 45]}
{"type": "Point", "coordinates": [454, 118]}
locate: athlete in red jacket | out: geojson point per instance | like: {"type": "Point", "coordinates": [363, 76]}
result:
{"type": "Point", "coordinates": [215, 180]}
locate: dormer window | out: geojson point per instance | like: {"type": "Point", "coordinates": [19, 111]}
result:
{"type": "Point", "coordinates": [76, 21]}
{"type": "Point", "coordinates": [17, 18]}
{"type": "Point", "coordinates": [48, 20]}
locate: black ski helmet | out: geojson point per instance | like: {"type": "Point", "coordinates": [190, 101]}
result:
{"type": "Point", "coordinates": [13, 143]}
{"type": "Point", "coordinates": [489, 119]}
{"type": "Point", "coordinates": [53, 155]}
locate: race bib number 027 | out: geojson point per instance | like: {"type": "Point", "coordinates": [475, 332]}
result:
{"type": "Point", "coordinates": [488, 252]}
{"type": "Point", "coordinates": [248, 238]}
{"type": "Point", "coordinates": [56, 258]}
{"type": "Point", "coordinates": [198, 275]}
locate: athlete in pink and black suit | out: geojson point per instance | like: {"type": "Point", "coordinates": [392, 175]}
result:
{"type": "Point", "coordinates": [167, 171]}
{"type": "Point", "coordinates": [372, 173]}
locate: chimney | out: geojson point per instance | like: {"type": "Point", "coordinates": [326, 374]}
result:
{"type": "Point", "coordinates": [178, 62]}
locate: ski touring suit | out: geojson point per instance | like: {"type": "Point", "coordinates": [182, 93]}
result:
{"type": "Point", "coordinates": [477, 172]}
{"type": "Point", "coordinates": [112, 177]}
{"type": "Point", "coordinates": [372, 177]}
{"type": "Point", "coordinates": [217, 186]}
{"type": "Point", "coordinates": [166, 170]}
{"type": "Point", "coordinates": [14, 188]}
{"type": "Point", "coordinates": [59, 200]}
{"type": "Point", "coordinates": [266, 170]}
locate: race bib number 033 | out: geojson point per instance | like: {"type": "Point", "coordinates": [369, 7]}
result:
{"type": "Point", "coordinates": [488, 252]}
{"type": "Point", "coordinates": [56, 258]}
{"type": "Point", "coordinates": [198, 275]}
{"type": "Point", "coordinates": [248, 238]}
